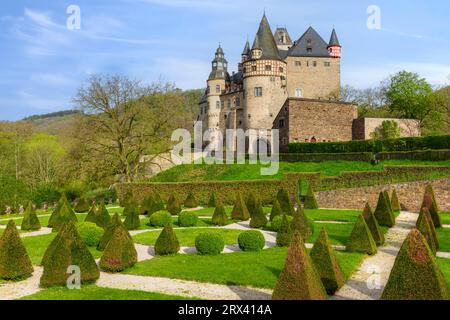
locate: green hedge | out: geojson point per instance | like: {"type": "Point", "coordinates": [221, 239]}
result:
{"type": "Point", "coordinates": [430, 155]}
{"type": "Point", "coordinates": [319, 157]}
{"type": "Point", "coordinates": [374, 146]}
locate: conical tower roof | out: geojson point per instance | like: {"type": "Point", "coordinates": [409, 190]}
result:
{"type": "Point", "coordinates": [247, 51]}
{"type": "Point", "coordinates": [265, 41]}
{"type": "Point", "coordinates": [334, 41]}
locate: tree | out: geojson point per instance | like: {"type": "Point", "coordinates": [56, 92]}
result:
{"type": "Point", "coordinates": [389, 129]}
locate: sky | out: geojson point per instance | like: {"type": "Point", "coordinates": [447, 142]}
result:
{"type": "Point", "coordinates": [43, 62]}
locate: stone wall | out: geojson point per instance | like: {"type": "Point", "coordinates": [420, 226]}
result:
{"type": "Point", "coordinates": [410, 195]}
{"type": "Point", "coordinates": [364, 127]}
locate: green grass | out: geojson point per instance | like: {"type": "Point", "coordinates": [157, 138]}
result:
{"type": "Point", "coordinates": [444, 239]}
{"type": "Point", "coordinates": [257, 269]}
{"type": "Point", "coordinates": [43, 219]}
{"type": "Point", "coordinates": [210, 211]}
{"type": "Point", "coordinates": [333, 215]}
{"type": "Point", "coordinates": [444, 265]}
{"type": "Point", "coordinates": [186, 237]}
{"type": "Point", "coordinates": [92, 292]}
{"type": "Point", "coordinates": [445, 217]}
{"type": "Point", "coordinates": [203, 222]}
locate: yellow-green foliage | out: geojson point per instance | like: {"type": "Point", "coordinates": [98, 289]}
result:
{"type": "Point", "coordinates": [173, 205]}
{"type": "Point", "coordinates": [102, 217]}
{"type": "Point", "coordinates": [190, 201]}
{"type": "Point", "coordinates": [429, 202]}
{"type": "Point", "coordinates": [415, 275]}
{"type": "Point", "coordinates": [82, 205]}
{"type": "Point", "coordinates": [14, 261]}
{"type": "Point", "coordinates": [383, 213]}
{"type": "Point", "coordinates": [167, 242]}
{"type": "Point", "coordinates": [30, 220]}
{"type": "Point", "coordinates": [212, 202]}
{"type": "Point", "coordinates": [276, 209]}
{"type": "Point", "coordinates": [219, 217]}
{"type": "Point", "coordinates": [301, 224]}
{"type": "Point", "coordinates": [259, 218]}
{"type": "Point", "coordinates": [65, 214]}
{"type": "Point", "coordinates": [240, 211]}
{"type": "Point", "coordinates": [284, 234]}
{"type": "Point", "coordinates": [251, 203]}
{"type": "Point", "coordinates": [322, 254]}
{"type": "Point", "coordinates": [132, 221]}
{"type": "Point", "coordinates": [91, 216]}
{"type": "Point", "coordinates": [373, 225]}
{"type": "Point", "coordinates": [361, 239]}
{"type": "Point", "coordinates": [120, 252]}
{"type": "Point", "coordinates": [395, 203]}
{"type": "Point", "coordinates": [310, 199]}
{"type": "Point", "coordinates": [285, 202]}
{"type": "Point", "coordinates": [426, 227]}
{"type": "Point", "coordinates": [299, 279]}
{"type": "Point", "coordinates": [115, 223]}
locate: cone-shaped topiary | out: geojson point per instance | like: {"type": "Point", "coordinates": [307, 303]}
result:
{"type": "Point", "coordinates": [240, 211]}
{"type": "Point", "coordinates": [384, 215]}
{"type": "Point", "coordinates": [120, 252]}
{"type": "Point", "coordinates": [373, 225]}
{"type": "Point", "coordinates": [167, 242]}
{"type": "Point", "coordinates": [251, 203]}
{"type": "Point", "coordinates": [310, 199]}
{"type": "Point", "coordinates": [219, 217]}
{"type": "Point", "coordinates": [425, 226]}
{"type": "Point", "coordinates": [65, 214]}
{"type": "Point", "coordinates": [132, 221]}
{"type": "Point", "coordinates": [284, 234]}
{"type": "Point", "coordinates": [395, 203]}
{"type": "Point", "coordinates": [91, 216]}
{"type": "Point", "coordinates": [146, 205]}
{"type": "Point", "coordinates": [285, 202]}
{"type": "Point", "coordinates": [322, 254]}
{"type": "Point", "coordinates": [82, 205]}
{"type": "Point", "coordinates": [30, 220]}
{"type": "Point", "coordinates": [115, 222]}
{"type": "Point", "coordinates": [276, 209]}
{"type": "Point", "coordinates": [415, 275]}
{"type": "Point", "coordinates": [102, 217]}
{"type": "Point", "coordinates": [190, 201]}
{"type": "Point", "coordinates": [67, 249]}
{"type": "Point", "coordinates": [55, 213]}
{"type": "Point", "coordinates": [212, 202]}
{"type": "Point", "coordinates": [388, 200]}
{"type": "Point", "coordinates": [173, 205]}
{"type": "Point", "coordinates": [14, 261]}
{"type": "Point", "coordinates": [158, 204]}
{"type": "Point", "coordinates": [299, 279]}
{"type": "Point", "coordinates": [301, 224]}
{"type": "Point", "coordinates": [258, 219]}
{"type": "Point", "coordinates": [361, 239]}
{"type": "Point", "coordinates": [429, 202]}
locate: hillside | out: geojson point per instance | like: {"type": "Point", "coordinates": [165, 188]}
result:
{"type": "Point", "coordinates": [53, 123]}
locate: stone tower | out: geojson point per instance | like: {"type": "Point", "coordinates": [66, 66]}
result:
{"type": "Point", "coordinates": [334, 47]}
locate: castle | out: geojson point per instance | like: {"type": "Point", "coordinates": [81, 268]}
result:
{"type": "Point", "coordinates": [285, 85]}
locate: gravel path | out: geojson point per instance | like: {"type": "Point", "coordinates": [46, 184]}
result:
{"type": "Point", "coordinates": [368, 282]}
{"type": "Point", "coordinates": [16, 290]}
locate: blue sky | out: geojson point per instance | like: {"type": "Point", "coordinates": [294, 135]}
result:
{"type": "Point", "coordinates": [43, 63]}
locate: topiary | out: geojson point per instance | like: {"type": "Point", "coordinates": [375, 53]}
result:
{"type": "Point", "coordinates": [382, 213]}
{"type": "Point", "coordinates": [90, 233]}
{"type": "Point", "coordinates": [285, 202]}
{"type": "Point", "coordinates": [395, 204]}
{"type": "Point", "coordinates": [388, 200]}
{"type": "Point", "coordinates": [250, 202]}
{"type": "Point", "coordinates": [240, 211]}
{"type": "Point", "coordinates": [322, 254]}
{"type": "Point", "coordinates": [284, 234]}
{"type": "Point", "coordinates": [258, 219]}
{"type": "Point", "coordinates": [219, 217]}
{"type": "Point", "coordinates": [425, 225]}
{"type": "Point", "coordinates": [301, 224]}
{"type": "Point", "coordinates": [146, 206]}
{"type": "Point", "coordinates": [173, 206]}
{"type": "Point", "coordinates": [55, 216]}
{"type": "Point", "coordinates": [275, 225]}
{"type": "Point", "coordinates": [65, 214]}
{"type": "Point", "coordinates": [67, 249]}
{"type": "Point", "coordinates": [276, 209]}
{"type": "Point", "coordinates": [415, 275]}
{"type": "Point", "coordinates": [132, 220]}
{"type": "Point", "coordinates": [429, 202]}
{"type": "Point", "coordinates": [212, 202]}
{"type": "Point", "coordinates": [434, 235]}
{"type": "Point", "coordinates": [209, 243]}
{"type": "Point", "coordinates": [251, 240]}
{"type": "Point", "coordinates": [299, 279]}
{"type": "Point", "coordinates": [158, 204]}
{"type": "Point", "coordinates": [30, 220]}
{"type": "Point", "coordinates": [115, 222]}
{"type": "Point", "coordinates": [120, 252]}
{"type": "Point", "coordinates": [190, 201]}
{"type": "Point", "coordinates": [373, 225]}
{"type": "Point", "coordinates": [91, 216]}
{"type": "Point", "coordinates": [167, 242]}
{"type": "Point", "coordinates": [82, 205]}
{"type": "Point", "coordinates": [361, 239]}
{"type": "Point", "coordinates": [160, 219]}
{"type": "Point", "coordinates": [310, 199]}
{"type": "Point", "coordinates": [187, 219]}
{"type": "Point", "coordinates": [102, 217]}
{"type": "Point", "coordinates": [15, 263]}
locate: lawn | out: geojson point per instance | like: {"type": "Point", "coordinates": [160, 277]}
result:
{"type": "Point", "coordinates": [333, 215]}
{"type": "Point", "coordinates": [445, 217]}
{"type": "Point", "coordinates": [92, 292]}
{"type": "Point", "coordinates": [205, 212]}
{"type": "Point", "coordinates": [186, 237]}
{"type": "Point", "coordinates": [43, 219]}
{"type": "Point", "coordinates": [257, 269]}
{"type": "Point", "coordinates": [444, 265]}
{"type": "Point", "coordinates": [444, 239]}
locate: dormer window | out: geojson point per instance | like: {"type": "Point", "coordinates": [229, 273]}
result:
{"type": "Point", "coordinates": [308, 41]}
{"type": "Point", "coordinates": [309, 50]}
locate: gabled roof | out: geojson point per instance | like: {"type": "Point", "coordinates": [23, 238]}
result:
{"type": "Point", "coordinates": [334, 41]}
{"type": "Point", "coordinates": [279, 37]}
{"type": "Point", "coordinates": [265, 41]}
{"type": "Point", "coordinates": [310, 44]}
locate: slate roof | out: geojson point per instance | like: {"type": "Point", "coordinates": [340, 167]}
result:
{"type": "Point", "coordinates": [247, 50]}
{"type": "Point", "coordinates": [264, 40]}
{"type": "Point", "coordinates": [334, 41]}
{"type": "Point", "coordinates": [278, 37]}
{"type": "Point", "coordinates": [310, 44]}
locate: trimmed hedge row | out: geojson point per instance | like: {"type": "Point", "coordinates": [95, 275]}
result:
{"type": "Point", "coordinates": [374, 146]}
{"type": "Point", "coordinates": [319, 157]}
{"type": "Point", "coordinates": [431, 155]}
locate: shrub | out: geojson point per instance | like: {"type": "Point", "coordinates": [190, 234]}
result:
{"type": "Point", "coordinates": [173, 206]}
{"type": "Point", "coordinates": [65, 214]}
{"type": "Point", "coordinates": [212, 202]}
{"type": "Point", "coordinates": [167, 242]}
{"type": "Point", "coordinates": [132, 220]}
{"type": "Point", "coordinates": [276, 210]}
{"type": "Point", "coordinates": [91, 216]}
{"type": "Point", "coordinates": [209, 243]}
{"type": "Point", "coordinates": [322, 254]}
{"type": "Point", "coordinates": [285, 202]}
{"type": "Point", "coordinates": [429, 202]}
{"type": "Point", "coordinates": [361, 239]}
{"type": "Point", "coordinates": [429, 155]}
{"type": "Point", "coordinates": [388, 201]}
{"type": "Point", "coordinates": [187, 219]}
{"type": "Point", "coordinates": [55, 216]}
{"type": "Point", "coordinates": [251, 203]}
{"type": "Point", "coordinates": [102, 195]}
{"type": "Point", "coordinates": [258, 219]}
{"type": "Point", "coordinates": [240, 211]}
{"type": "Point", "coordinates": [415, 275]}
{"type": "Point", "coordinates": [45, 192]}
{"type": "Point", "coordinates": [299, 279]}
{"type": "Point", "coordinates": [107, 235]}
{"type": "Point", "coordinates": [30, 220]}
{"type": "Point", "coordinates": [373, 225]}
{"type": "Point", "coordinates": [102, 217]}
{"type": "Point", "coordinates": [146, 205]}
{"type": "Point", "coordinates": [275, 225]}
{"type": "Point", "coordinates": [251, 240]}
{"type": "Point", "coordinates": [160, 219]}
{"type": "Point", "coordinates": [15, 263]}
{"type": "Point", "coordinates": [425, 225]}
{"type": "Point", "coordinates": [383, 214]}
{"type": "Point", "coordinates": [301, 224]}
{"type": "Point", "coordinates": [90, 233]}
{"type": "Point", "coordinates": [120, 252]}
{"type": "Point", "coordinates": [82, 205]}
{"type": "Point", "coordinates": [310, 199]}
{"type": "Point", "coordinates": [395, 204]}
{"type": "Point", "coordinates": [284, 234]}
{"type": "Point", "coordinates": [190, 201]}
{"type": "Point", "coordinates": [219, 217]}
{"type": "Point", "coordinates": [321, 157]}
{"type": "Point", "coordinates": [158, 204]}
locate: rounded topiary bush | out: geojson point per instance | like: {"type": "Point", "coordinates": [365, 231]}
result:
{"type": "Point", "coordinates": [187, 219]}
{"type": "Point", "coordinates": [90, 233]}
{"type": "Point", "coordinates": [160, 219]}
{"type": "Point", "coordinates": [251, 240]}
{"type": "Point", "coordinates": [209, 243]}
{"type": "Point", "coordinates": [276, 223]}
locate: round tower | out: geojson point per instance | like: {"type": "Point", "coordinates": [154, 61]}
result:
{"type": "Point", "coordinates": [334, 47]}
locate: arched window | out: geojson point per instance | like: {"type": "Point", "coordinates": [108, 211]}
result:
{"type": "Point", "coordinates": [313, 139]}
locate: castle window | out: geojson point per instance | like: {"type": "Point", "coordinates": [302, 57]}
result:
{"type": "Point", "coordinates": [218, 88]}
{"type": "Point", "coordinates": [240, 122]}
{"type": "Point", "coordinates": [281, 123]}
{"type": "Point", "coordinates": [238, 102]}
{"type": "Point", "coordinates": [309, 41]}
{"type": "Point", "coordinates": [258, 91]}
{"type": "Point", "coordinates": [225, 116]}
{"type": "Point", "coordinates": [284, 141]}
{"type": "Point", "coordinates": [218, 104]}
{"type": "Point", "coordinates": [253, 68]}
{"type": "Point", "coordinates": [307, 63]}
{"type": "Point", "coordinates": [298, 63]}
{"type": "Point", "coordinates": [272, 79]}
{"type": "Point", "coordinates": [314, 63]}
{"type": "Point", "coordinates": [245, 70]}
{"type": "Point", "coordinates": [229, 103]}
{"type": "Point", "coordinates": [327, 64]}
{"type": "Point", "coordinates": [298, 93]}
{"type": "Point", "coordinates": [309, 50]}
{"type": "Point", "coordinates": [281, 69]}
{"type": "Point", "coordinates": [268, 67]}
{"type": "Point", "coordinates": [222, 104]}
